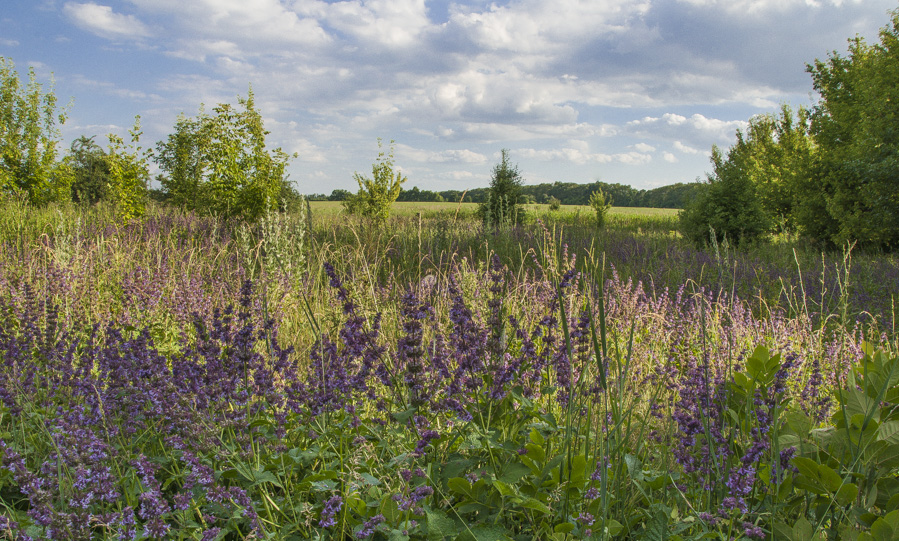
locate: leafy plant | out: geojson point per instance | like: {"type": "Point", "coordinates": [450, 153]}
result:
{"type": "Point", "coordinates": [376, 194]}
{"type": "Point", "coordinates": [601, 205]}
{"type": "Point", "coordinates": [219, 164]}
{"type": "Point", "coordinates": [502, 205]}
{"type": "Point", "coordinates": [128, 174]}
{"type": "Point", "coordinates": [29, 137]}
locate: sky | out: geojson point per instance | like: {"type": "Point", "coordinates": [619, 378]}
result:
{"type": "Point", "coordinates": [628, 91]}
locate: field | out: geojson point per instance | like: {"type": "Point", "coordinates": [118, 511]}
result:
{"type": "Point", "coordinates": [315, 377]}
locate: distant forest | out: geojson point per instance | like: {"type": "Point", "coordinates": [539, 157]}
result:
{"type": "Point", "coordinates": [568, 193]}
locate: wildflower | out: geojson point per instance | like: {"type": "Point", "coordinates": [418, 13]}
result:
{"type": "Point", "coordinates": [331, 508]}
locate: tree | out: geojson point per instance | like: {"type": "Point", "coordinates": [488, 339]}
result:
{"type": "Point", "coordinates": [28, 140]}
{"type": "Point", "coordinates": [601, 204]}
{"type": "Point", "coordinates": [128, 174]}
{"type": "Point", "coordinates": [729, 205]}
{"type": "Point", "coordinates": [854, 192]}
{"type": "Point", "coordinates": [754, 189]}
{"type": "Point", "coordinates": [90, 171]}
{"type": "Point", "coordinates": [219, 164]}
{"type": "Point", "coordinates": [377, 194]}
{"type": "Point", "coordinates": [502, 205]}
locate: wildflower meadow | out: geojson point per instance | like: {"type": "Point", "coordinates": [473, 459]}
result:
{"type": "Point", "coordinates": [312, 376]}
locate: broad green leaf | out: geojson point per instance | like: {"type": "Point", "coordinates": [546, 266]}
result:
{"type": "Point", "coordinates": [803, 530]}
{"type": "Point", "coordinates": [882, 531]}
{"type": "Point", "coordinates": [460, 485]}
{"type": "Point", "coordinates": [536, 505]}
{"type": "Point", "coordinates": [847, 494]}
{"type": "Point", "coordinates": [441, 526]}
{"type": "Point", "coordinates": [889, 432]}
{"type": "Point", "coordinates": [537, 438]}
{"type": "Point", "coordinates": [564, 527]}
{"type": "Point", "coordinates": [503, 488]}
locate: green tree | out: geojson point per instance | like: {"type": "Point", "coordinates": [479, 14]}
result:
{"type": "Point", "coordinates": [754, 188]}
{"type": "Point", "coordinates": [601, 204]}
{"type": "Point", "coordinates": [90, 170]}
{"type": "Point", "coordinates": [128, 174]}
{"type": "Point", "coordinates": [502, 205]}
{"type": "Point", "coordinates": [219, 163]}
{"type": "Point", "coordinates": [729, 205]}
{"type": "Point", "coordinates": [377, 194]}
{"type": "Point", "coordinates": [29, 138]}
{"type": "Point", "coordinates": [854, 192]}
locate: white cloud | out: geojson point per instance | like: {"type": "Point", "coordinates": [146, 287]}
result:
{"type": "Point", "coordinates": [9, 42]}
{"type": "Point", "coordinates": [104, 22]}
{"type": "Point", "coordinates": [684, 148]}
{"type": "Point", "coordinates": [669, 157]}
{"type": "Point", "coordinates": [580, 157]}
{"type": "Point", "coordinates": [643, 147]}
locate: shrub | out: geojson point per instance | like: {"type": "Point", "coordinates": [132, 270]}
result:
{"type": "Point", "coordinates": [29, 139]}
{"type": "Point", "coordinates": [601, 205]}
{"type": "Point", "coordinates": [90, 169]}
{"type": "Point", "coordinates": [377, 193]}
{"type": "Point", "coordinates": [554, 204]}
{"type": "Point", "coordinates": [502, 206]}
{"type": "Point", "coordinates": [219, 164]}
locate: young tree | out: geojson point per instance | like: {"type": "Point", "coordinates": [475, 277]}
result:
{"type": "Point", "coordinates": [854, 195]}
{"type": "Point", "coordinates": [502, 205]}
{"type": "Point", "coordinates": [377, 194]}
{"type": "Point", "coordinates": [128, 174]}
{"type": "Point", "coordinates": [28, 140]}
{"type": "Point", "coordinates": [219, 164]}
{"type": "Point", "coordinates": [90, 170]}
{"type": "Point", "coordinates": [601, 204]}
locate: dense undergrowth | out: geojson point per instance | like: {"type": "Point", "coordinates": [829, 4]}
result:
{"type": "Point", "coordinates": [187, 378]}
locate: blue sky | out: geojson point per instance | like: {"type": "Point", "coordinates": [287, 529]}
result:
{"type": "Point", "coordinates": [625, 91]}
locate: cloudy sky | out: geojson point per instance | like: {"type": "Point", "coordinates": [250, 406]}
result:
{"type": "Point", "coordinates": [630, 91]}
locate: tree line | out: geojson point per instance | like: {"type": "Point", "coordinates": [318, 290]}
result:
{"type": "Point", "coordinates": [673, 196]}
{"type": "Point", "coordinates": [829, 173]}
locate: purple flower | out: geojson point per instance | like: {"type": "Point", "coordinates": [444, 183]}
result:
{"type": "Point", "coordinates": [330, 509]}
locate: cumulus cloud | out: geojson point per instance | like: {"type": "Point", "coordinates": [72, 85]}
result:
{"type": "Point", "coordinates": [104, 22]}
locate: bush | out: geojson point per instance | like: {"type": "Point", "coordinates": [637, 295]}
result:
{"type": "Point", "coordinates": [377, 193]}
{"type": "Point", "coordinates": [502, 206]}
{"type": "Point", "coordinates": [29, 139]}
{"type": "Point", "coordinates": [601, 205]}
{"type": "Point", "coordinates": [554, 204]}
{"type": "Point", "coordinates": [219, 164]}
{"type": "Point", "coordinates": [90, 169]}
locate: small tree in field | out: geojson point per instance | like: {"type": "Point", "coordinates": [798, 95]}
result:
{"type": "Point", "coordinates": [502, 205]}
{"type": "Point", "coordinates": [28, 140]}
{"type": "Point", "coordinates": [219, 164]}
{"type": "Point", "coordinates": [601, 204]}
{"type": "Point", "coordinates": [128, 174]}
{"type": "Point", "coordinates": [377, 194]}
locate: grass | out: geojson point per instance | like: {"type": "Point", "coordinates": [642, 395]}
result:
{"type": "Point", "coordinates": [190, 378]}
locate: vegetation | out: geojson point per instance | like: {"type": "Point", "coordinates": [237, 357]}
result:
{"type": "Point", "coordinates": [219, 164]}
{"type": "Point", "coordinates": [29, 137]}
{"type": "Point", "coordinates": [829, 174]}
{"type": "Point", "coordinates": [502, 206]}
{"type": "Point", "coordinates": [377, 193]}
{"type": "Point", "coordinates": [186, 375]}
{"type": "Point", "coordinates": [601, 206]}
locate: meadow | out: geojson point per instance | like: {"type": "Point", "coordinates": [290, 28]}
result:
{"type": "Point", "coordinates": [312, 376]}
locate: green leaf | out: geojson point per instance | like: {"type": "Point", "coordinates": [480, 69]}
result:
{"type": "Point", "coordinates": [536, 505]}
{"type": "Point", "coordinates": [459, 485]}
{"type": "Point", "coordinates": [564, 527]}
{"type": "Point", "coordinates": [441, 526]}
{"type": "Point", "coordinates": [889, 432]}
{"type": "Point", "coordinates": [882, 531]}
{"type": "Point", "coordinates": [485, 532]}
{"type": "Point", "coordinates": [847, 494]}
{"type": "Point", "coordinates": [537, 438]}
{"type": "Point", "coordinates": [503, 488]}
{"type": "Point", "coordinates": [613, 527]}
{"type": "Point", "coordinates": [536, 452]}
{"type": "Point", "coordinates": [514, 472]}
{"type": "Point", "coordinates": [803, 530]}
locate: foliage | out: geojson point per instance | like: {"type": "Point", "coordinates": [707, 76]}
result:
{"type": "Point", "coordinates": [601, 205]}
{"type": "Point", "coordinates": [730, 206]}
{"type": "Point", "coordinates": [91, 171]}
{"type": "Point", "coordinates": [377, 193]}
{"type": "Point", "coordinates": [853, 196]}
{"type": "Point", "coordinates": [28, 140]}
{"type": "Point", "coordinates": [554, 204]}
{"type": "Point", "coordinates": [420, 195]}
{"type": "Point", "coordinates": [128, 174]}
{"type": "Point", "coordinates": [219, 164]}
{"type": "Point", "coordinates": [502, 206]}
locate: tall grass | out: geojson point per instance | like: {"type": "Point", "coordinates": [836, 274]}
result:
{"type": "Point", "coordinates": [190, 378]}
